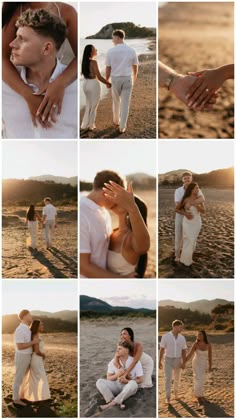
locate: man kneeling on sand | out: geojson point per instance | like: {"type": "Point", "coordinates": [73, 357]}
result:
{"type": "Point", "coordinates": [116, 389]}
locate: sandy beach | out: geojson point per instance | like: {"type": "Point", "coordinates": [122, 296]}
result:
{"type": "Point", "coordinates": [18, 261]}
{"type": "Point", "coordinates": [193, 37]}
{"type": "Point", "coordinates": [219, 385]}
{"type": "Point", "coordinates": [142, 115]}
{"type": "Point", "coordinates": [214, 255]}
{"type": "Point", "coordinates": [61, 369]}
{"type": "Point", "coordinates": [97, 345]}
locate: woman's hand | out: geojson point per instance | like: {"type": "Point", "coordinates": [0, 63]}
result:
{"type": "Point", "coordinates": [33, 103]}
{"type": "Point", "coordinates": [206, 84]}
{"type": "Point", "coordinates": [120, 196]}
{"type": "Point", "coordinates": [52, 101]}
{"type": "Point", "coordinates": [108, 84]}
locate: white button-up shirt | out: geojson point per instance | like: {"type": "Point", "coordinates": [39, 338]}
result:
{"type": "Point", "coordinates": [17, 121]}
{"type": "Point", "coordinates": [121, 58]}
{"type": "Point", "coordinates": [23, 335]}
{"type": "Point", "coordinates": [50, 211]}
{"type": "Point", "coordinates": [172, 345]}
{"type": "Point", "coordinates": [137, 371]}
{"type": "Point", "coordinates": [95, 231]}
{"type": "Point", "coordinates": [179, 193]}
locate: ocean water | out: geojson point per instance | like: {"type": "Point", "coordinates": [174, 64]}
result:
{"type": "Point", "coordinates": [102, 45]}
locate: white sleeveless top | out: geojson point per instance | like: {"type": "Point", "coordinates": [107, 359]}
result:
{"type": "Point", "coordinates": [117, 264]}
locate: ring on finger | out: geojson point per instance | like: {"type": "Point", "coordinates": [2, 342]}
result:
{"type": "Point", "coordinates": [54, 106]}
{"type": "Point", "coordinates": [207, 90]}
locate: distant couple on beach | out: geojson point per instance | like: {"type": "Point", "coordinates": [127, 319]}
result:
{"type": "Point", "coordinates": [198, 90]}
{"type": "Point", "coordinates": [48, 222]}
{"type": "Point", "coordinates": [174, 346]}
{"type": "Point", "coordinates": [118, 253]}
{"type": "Point", "coordinates": [30, 382]}
{"type": "Point", "coordinates": [189, 205]}
{"type": "Point", "coordinates": [129, 370]}
{"type": "Point", "coordinates": [122, 68]}
{"type": "Point", "coordinates": [39, 93]}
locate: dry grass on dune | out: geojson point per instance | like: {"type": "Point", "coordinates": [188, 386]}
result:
{"type": "Point", "coordinates": [193, 37]}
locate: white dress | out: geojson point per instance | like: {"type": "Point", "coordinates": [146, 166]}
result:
{"type": "Point", "coordinates": [191, 230]}
{"type": "Point", "coordinates": [116, 262]}
{"type": "Point", "coordinates": [199, 364]}
{"type": "Point", "coordinates": [147, 365]}
{"type": "Point", "coordinates": [92, 91]}
{"type": "Point", "coordinates": [33, 230]}
{"type": "Point", "coordinates": [35, 384]}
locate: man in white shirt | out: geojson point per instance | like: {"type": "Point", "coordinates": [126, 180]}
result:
{"type": "Point", "coordinates": [96, 228]}
{"type": "Point", "coordinates": [174, 346]}
{"type": "Point", "coordinates": [23, 343]}
{"type": "Point", "coordinates": [34, 53]}
{"type": "Point", "coordinates": [187, 178]}
{"type": "Point", "coordinates": [122, 66]}
{"type": "Point", "coordinates": [115, 389]}
{"type": "Point", "coordinates": [49, 221]}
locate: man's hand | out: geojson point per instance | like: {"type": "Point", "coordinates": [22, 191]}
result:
{"type": "Point", "coordinates": [188, 215]}
{"type": "Point", "coordinates": [181, 85]}
{"type": "Point", "coordinates": [160, 365]}
{"type": "Point", "coordinates": [123, 380]}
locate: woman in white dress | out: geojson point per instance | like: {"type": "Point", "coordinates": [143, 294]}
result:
{"type": "Point", "coordinates": [202, 358]}
{"type": "Point", "coordinates": [127, 335]}
{"type": "Point", "coordinates": [91, 86]}
{"type": "Point", "coordinates": [129, 243]}
{"type": "Point", "coordinates": [32, 218]}
{"type": "Point", "coordinates": [194, 206]}
{"type": "Point", "coordinates": [35, 384]}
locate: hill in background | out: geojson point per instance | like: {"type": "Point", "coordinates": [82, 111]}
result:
{"type": "Point", "coordinates": [216, 178]}
{"type": "Point", "coordinates": [203, 306]}
{"type": "Point", "coordinates": [141, 181]}
{"type": "Point", "coordinates": [131, 31]}
{"type": "Point", "coordinates": [56, 179]}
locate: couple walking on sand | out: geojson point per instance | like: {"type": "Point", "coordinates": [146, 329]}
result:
{"type": "Point", "coordinates": [122, 68]}
{"type": "Point", "coordinates": [174, 346]}
{"type": "Point", "coordinates": [118, 253]}
{"type": "Point", "coordinates": [189, 205]}
{"type": "Point", "coordinates": [48, 221]}
{"type": "Point", "coordinates": [30, 382]}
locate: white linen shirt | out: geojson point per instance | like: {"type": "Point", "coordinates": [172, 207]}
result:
{"type": "Point", "coordinates": [95, 231]}
{"type": "Point", "coordinates": [50, 211]}
{"type": "Point", "coordinates": [179, 193]}
{"type": "Point", "coordinates": [17, 121]}
{"type": "Point", "coordinates": [137, 371]}
{"type": "Point", "coordinates": [121, 58]}
{"type": "Point", "coordinates": [23, 335]}
{"type": "Point", "coordinates": [173, 346]}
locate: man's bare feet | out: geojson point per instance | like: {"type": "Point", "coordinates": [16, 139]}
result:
{"type": "Point", "coordinates": [122, 406]}
{"type": "Point", "coordinates": [106, 406]}
{"type": "Point", "coordinates": [19, 403]}
{"type": "Point", "coordinates": [177, 396]}
{"type": "Point", "coordinates": [167, 401]}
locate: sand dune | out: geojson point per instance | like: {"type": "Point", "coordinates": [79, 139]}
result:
{"type": "Point", "coordinates": [219, 386]}
{"type": "Point", "coordinates": [97, 345]}
{"type": "Point", "coordinates": [18, 261]}
{"type": "Point", "coordinates": [214, 255]}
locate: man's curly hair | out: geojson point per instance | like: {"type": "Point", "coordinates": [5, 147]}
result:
{"type": "Point", "coordinates": [45, 24]}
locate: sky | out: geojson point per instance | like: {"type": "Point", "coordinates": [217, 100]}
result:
{"type": "Point", "coordinates": [197, 156]}
{"type": "Point", "coordinates": [93, 16]}
{"type": "Point", "coordinates": [23, 159]}
{"type": "Point", "coordinates": [131, 293]}
{"type": "Point", "coordinates": [41, 295]}
{"type": "Point", "coordinates": [125, 157]}
{"type": "Point", "coordinates": [192, 290]}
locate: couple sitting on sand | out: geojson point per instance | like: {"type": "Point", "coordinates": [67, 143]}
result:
{"type": "Point", "coordinates": [30, 383]}
{"type": "Point", "coordinates": [48, 221]}
{"type": "Point", "coordinates": [121, 253]}
{"type": "Point", "coordinates": [198, 90]}
{"type": "Point", "coordinates": [39, 93]}
{"type": "Point", "coordinates": [122, 67]}
{"type": "Point", "coordinates": [189, 204]}
{"type": "Point", "coordinates": [174, 346]}
{"type": "Point", "coordinates": [130, 369]}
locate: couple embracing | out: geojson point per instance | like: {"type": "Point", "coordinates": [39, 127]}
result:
{"type": "Point", "coordinates": [122, 69]}
{"type": "Point", "coordinates": [118, 253]}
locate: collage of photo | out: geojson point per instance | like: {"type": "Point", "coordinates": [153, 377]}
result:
{"type": "Point", "coordinates": [117, 191]}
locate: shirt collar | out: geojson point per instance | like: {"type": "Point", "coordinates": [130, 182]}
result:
{"type": "Point", "coordinates": [57, 71]}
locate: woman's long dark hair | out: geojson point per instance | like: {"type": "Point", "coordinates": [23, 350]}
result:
{"type": "Point", "coordinates": [34, 327]}
{"type": "Point", "coordinates": [8, 10]}
{"type": "Point", "coordinates": [86, 61]}
{"type": "Point", "coordinates": [130, 332]}
{"type": "Point", "coordinates": [30, 214]}
{"type": "Point", "coordinates": [204, 336]}
{"type": "Point", "coordinates": [142, 262]}
{"type": "Point", "coordinates": [187, 193]}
